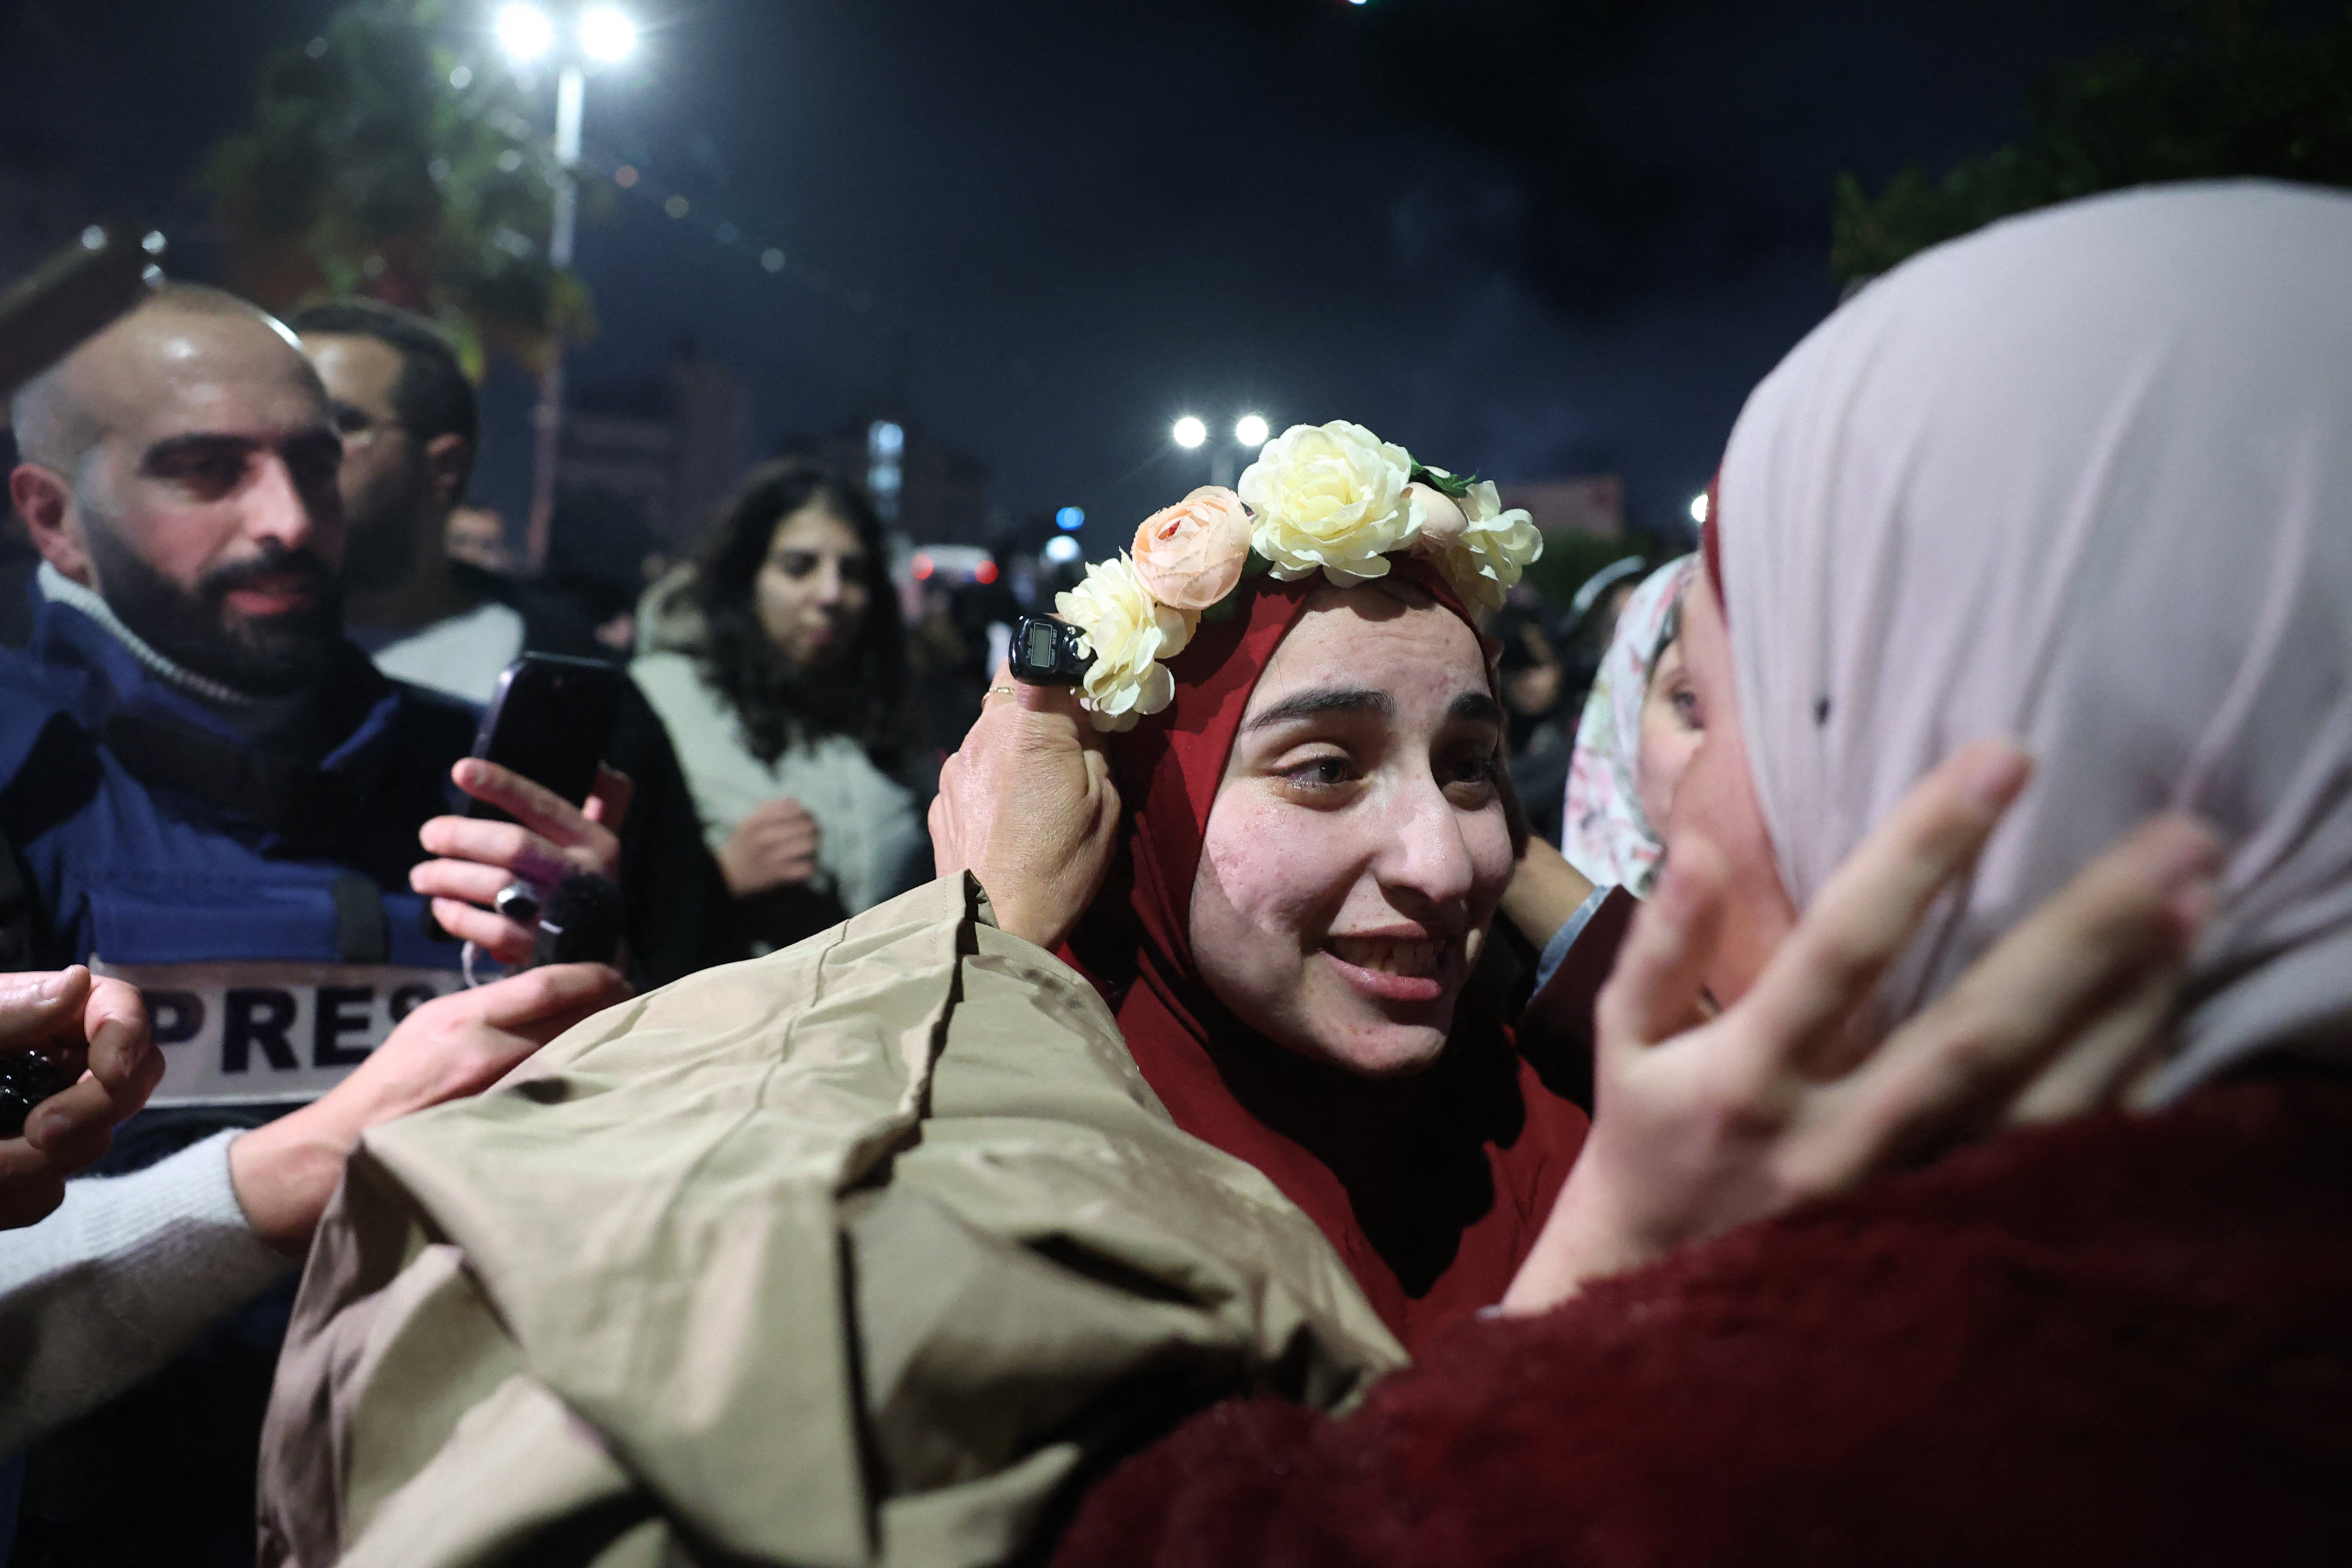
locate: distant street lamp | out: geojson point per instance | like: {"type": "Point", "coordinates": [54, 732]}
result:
{"type": "Point", "coordinates": [525, 33]}
{"type": "Point", "coordinates": [605, 36]}
{"type": "Point", "coordinates": [1250, 433]}
{"type": "Point", "coordinates": [1698, 509]}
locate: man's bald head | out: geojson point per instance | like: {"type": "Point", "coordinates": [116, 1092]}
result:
{"type": "Point", "coordinates": [57, 416]}
{"type": "Point", "coordinates": [182, 464]}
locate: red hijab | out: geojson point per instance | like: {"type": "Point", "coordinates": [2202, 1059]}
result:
{"type": "Point", "coordinates": [1433, 1188]}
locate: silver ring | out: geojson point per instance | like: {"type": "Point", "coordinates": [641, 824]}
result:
{"type": "Point", "coordinates": [518, 901]}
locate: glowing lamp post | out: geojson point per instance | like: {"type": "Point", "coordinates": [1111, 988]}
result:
{"type": "Point", "coordinates": [1250, 433]}
{"type": "Point", "coordinates": [603, 35]}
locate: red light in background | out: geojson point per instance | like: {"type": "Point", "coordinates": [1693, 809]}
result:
{"type": "Point", "coordinates": [984, 572]}
{"type": "Point", "coordinates": [921, 566]}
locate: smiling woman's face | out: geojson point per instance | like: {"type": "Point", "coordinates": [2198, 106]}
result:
{"type": "Point", "coordinates": [1357, 846]}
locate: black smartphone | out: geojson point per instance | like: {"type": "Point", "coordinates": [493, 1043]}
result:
{"type": "Point", "coordinates": [72, 296]}
{"type": "Point", "coordinates": [550, 719]}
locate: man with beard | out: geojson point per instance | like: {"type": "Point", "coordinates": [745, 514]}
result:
{"type": "Point", "coordinates": [215, 796]}
{"type": "Point", "coordinates": [410, 427]}
{"type": "Point", "coordinates": [409, 423]}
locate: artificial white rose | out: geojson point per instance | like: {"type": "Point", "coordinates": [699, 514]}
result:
{"type": "Point", "coordinates": [1484, 563]}
{"type": "Point", "coordinates": [1127, 633]}
{"type": "Point", "coordinates": [1328, 498]}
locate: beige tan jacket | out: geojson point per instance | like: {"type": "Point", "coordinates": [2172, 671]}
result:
{"type": "Point", "coordinates": [864, 1252]}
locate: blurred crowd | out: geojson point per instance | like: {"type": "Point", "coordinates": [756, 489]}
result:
{"type": "Point", "coordinates": [267, 888]}
{"type": "Point", "coordinates": [254, 615]}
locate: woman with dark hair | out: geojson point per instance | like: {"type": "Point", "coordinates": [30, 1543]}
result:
{"type": "Point", "coordinates": [778, 662]}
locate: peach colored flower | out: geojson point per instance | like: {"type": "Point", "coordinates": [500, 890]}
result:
{"type": "Point", "coordinates": [1190, 555]}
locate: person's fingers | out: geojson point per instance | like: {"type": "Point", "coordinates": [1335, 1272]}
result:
{"type": "Point", "coordinates": [608, 799]}
{"type": "Point", "coordinates": [1874, 901]}
{"type": "Point", "coordinates": [1653, 991]}
{"type": "Point", "coordinates": [1062, 700]}
{"type": "Point", "coordinates": [501, 938]}
{"type": "Point", "coordinates": [522, 1001]}
{"type": "Point", "coordinates": [2101, 1063]}
{"type": "Point", "coordinates": [66, 1115]}
{"type": "Point", "coordinates": [2086, 957]}
{"type": "Point", "coordinates": [467, 879]}
{"type": "Point", "coordinates": [37, 1008]}
{"type": "Point", "coordinates": [783, 808]}
{"type": "Point", "coordinates": [114, 1022]}
{"type": "Point", "coordinates": [518, 850]}
{"type": "Point", "coordinates": [531, 804]}
{"type": "Point", "coordinates": [74, 1126]}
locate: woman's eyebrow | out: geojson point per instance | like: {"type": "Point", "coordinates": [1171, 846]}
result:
{"type": "Point", "coordinates": [1476, 707]}
{"type": "Point", "coordinates": [1325, 700]}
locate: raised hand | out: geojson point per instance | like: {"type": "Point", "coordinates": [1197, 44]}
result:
{"type": "Point", "coordinates": [1027, 805]}
{"type": "Point", "coordinates": [548, 839]}
{"type": "Point", "coordinates": [95, 1031]}
{"type": "Point", "coordinates": [775, 846]}
{"type": "Point", "coordinates": [1796, 1091]}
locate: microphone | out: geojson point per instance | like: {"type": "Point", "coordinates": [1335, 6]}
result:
{"type": "Point", "coordinates": [581, 922]}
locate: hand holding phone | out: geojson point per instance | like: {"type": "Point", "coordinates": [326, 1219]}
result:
{"type": "Point", "coordinates": [540, 828]}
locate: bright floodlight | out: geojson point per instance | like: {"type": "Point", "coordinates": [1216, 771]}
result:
{"type": "Point", "coordinates": [607, 35]}
{"type": "Point", "coordinates": [1251, 430]}
{"type": "Point", "coordinates": [524, 32]}
{"type": "Point", "coordinates": [1698, 508]}
{"type": "Point", "coordinates": [1062, 549]}
{"type": "Point", "coordinates": [1190, 432]}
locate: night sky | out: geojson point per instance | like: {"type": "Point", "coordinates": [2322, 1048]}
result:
{"type": "Point", "coordinates": [1532, 238]}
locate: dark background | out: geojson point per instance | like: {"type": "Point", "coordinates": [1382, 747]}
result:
{"type": "Point", "coordinates": [1532, 238]}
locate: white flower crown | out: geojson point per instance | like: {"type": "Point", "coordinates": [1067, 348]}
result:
{"type": "Point", "coordinates": [1334, 499]}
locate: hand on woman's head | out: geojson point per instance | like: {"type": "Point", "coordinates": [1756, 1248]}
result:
{"type": "Point", "coordinates": [1358, 845]}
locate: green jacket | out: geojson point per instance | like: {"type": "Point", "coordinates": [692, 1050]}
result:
{"type": "Point", "coordinates": [869, 1251]}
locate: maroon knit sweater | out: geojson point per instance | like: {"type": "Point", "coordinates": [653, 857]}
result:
{"type": "Point", "coordinates": [2119, 1340]}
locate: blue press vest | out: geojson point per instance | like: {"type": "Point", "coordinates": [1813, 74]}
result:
{"type": "Point", "coordinates": [153, 832]}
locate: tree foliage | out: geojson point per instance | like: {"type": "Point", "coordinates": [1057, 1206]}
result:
{"type": "Point", "coordinates": [2230, 93]}
{"type": "Point", "coordinates": [367, 172]}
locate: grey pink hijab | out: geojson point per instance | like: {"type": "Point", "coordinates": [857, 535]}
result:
{"type": "Point", "coordinates": [2083, 480]}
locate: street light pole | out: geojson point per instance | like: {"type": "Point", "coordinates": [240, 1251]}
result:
{"type": "Point", "coordinates": [571, 88]}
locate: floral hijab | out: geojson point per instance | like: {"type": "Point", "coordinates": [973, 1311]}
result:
{"type": "Point", "coordinates": [1606, 836]}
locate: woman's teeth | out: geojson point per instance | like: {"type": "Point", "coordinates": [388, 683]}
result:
{"type": "Point", "coordinates": [1387, 955]}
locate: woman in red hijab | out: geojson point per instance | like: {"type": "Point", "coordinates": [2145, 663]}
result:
{"type": "Point", "coordinates": [1319, 834]}
{"type": "Point", "coordinates": [1281, 858]}
{"type": "Point", "coordinates": [1301, 722]}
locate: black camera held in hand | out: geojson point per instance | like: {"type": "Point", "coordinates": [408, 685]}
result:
{"type": "Point", "coordinates": [1045, 652]}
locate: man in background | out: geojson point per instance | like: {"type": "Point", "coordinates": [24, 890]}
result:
{"type": "Point", "coordinates": [411, 429]}
{"type": "Point", "coordinates": [410, 426]}
{"type": "Point", "coordinates": [478, 538]}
